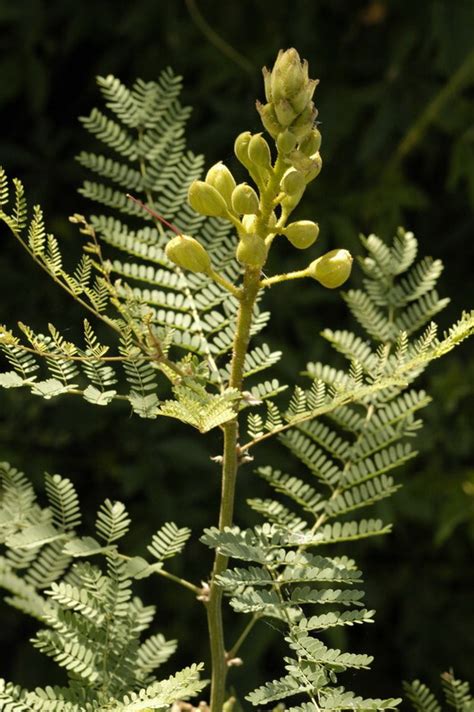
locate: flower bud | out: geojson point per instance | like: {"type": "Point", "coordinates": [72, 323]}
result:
{"type": "Point", "coordinates": [302, 234]}
{"type": "Point", "coordinates": [249, 223]}
{"type": "Point", "coordinates": [291, 200]}
{"type": "Point", "coordinates": [311, 143]}
{"type": "Point", "coordinates": [289, 75]}
{"type": "Point", "coordinates": [303, 98]}
{"type": "Point", "coordinates": [267, 82]}
{"type": "Point", "coordinates": [241, 148]}
{"type": "Point", "coordinates": [222, 180]}
{"type": "Point", "coordinates": [315, 170]}
{"type": "Point", "coordinates": [300, 161]}
{"type": "Point", "coordinates": [206, 200]}
{"type": "Point", "coordinates": [332, 269]}
{"type": "Point", "coordinates": [188, 253]}
{"type": "Point", "coordinates": [251, 251]}
{"type": "Point", "coordinates": [284, 112]}
{"type": "Point", "coordinates": [304, 122]}
{"type": "Point", "coordinates": [286, 141]}
{"type": "Point", "coordinates": [259, 152]}
{"type": "Point", "coordinates": [292, 182]}
{"type": "Point", "coordinates": [269, 119]}
{"type": "Point", "coordinates": [244, 199]}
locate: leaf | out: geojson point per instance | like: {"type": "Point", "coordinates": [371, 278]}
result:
{"type": "Point", "coordinates": [97, 397]}
{"type": "Point", "coordinates": [35, 536]}
{"type": "Point", "coordinates": [84, 546]}
{"type": "Point", "coordinates": [51, 388]}
{"type": "Point", "coordinates": [11, 379]}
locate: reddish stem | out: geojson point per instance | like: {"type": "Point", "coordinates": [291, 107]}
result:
{"type": "Point", "coordinates": [153, 214]}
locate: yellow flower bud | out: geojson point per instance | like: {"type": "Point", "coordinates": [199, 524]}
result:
{"type": "Point", "coordinates": [241, 148]}
{"type": "Point", "coordinates": [300, 161]}
{"type": "Point", "coordinates": [302, 233]}
{"type": "Point", "coordinates": [292, 182]}
{"type": "Point", "coordinates": [315, 170]}
{"type": "Point", "coordinates": [269, 119]}
{"type": "Point", "coordinates": [304, 122]}
{"type": "Point", "coordinates": [188, 253]}
{"type": "Point", "coordinates": [303, 98]}
{"type": "Point", "coordinates": [284, 112]}
{"type": "Point", "coordinates": [332, 269]}
{"type": "Point", "coordinates": [251, 251]}
{"type": "Point", "coordinates": [244, 199]}
{"type": "Point", "coordinates": [291, 200]}
{"type": "Point", "coordinates": [222, 180]}
{"type": "Point", "coordinates": [249, 223]}
{"type": "Point", "coordinates": [286, 141]}
{"type": "Point", "coordinates": [267, 81]}
{"type": "Point", "coordinates": [289, 75]}
{"type": "Point", "coordinates": [206, 200]}
{"type": "Point", "coordinates": [259, 152]}
{"type": "Point", "coordinates": [311, 143]}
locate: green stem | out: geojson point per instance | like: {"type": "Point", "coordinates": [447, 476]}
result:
{"type": "Point", "coordinates": [229, 476]}
{"type": "Point", "coordinates": [182, 582]}
{"type": "Point", "coordinates": [299, 274]}
{"type": "Point", "coordinates": [242, 637]}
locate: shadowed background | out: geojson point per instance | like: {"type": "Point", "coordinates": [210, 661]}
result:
{"type": "Point", "coordinates": [396, 106]}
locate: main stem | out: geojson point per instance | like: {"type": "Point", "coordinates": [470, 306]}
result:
{"type": "Point", "coordinates": [229, 474]}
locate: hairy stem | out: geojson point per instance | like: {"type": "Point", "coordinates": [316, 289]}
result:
{"type": "Point", "coordinates": [229, 475]}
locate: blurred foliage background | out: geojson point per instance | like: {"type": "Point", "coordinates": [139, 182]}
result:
{"type": "Point", "coordinates": [396, 104]}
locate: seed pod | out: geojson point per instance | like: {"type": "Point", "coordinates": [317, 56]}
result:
{"type": "Point", "coordinates": [188, 253]}
{"type": "Point", "coordinates": [244, 199]}
{"type": "Point", "coordinates": [302, 233]}
{"type": "Point", "coordinates": [292, 182]}
{"type": "Point", "coordinates": [269, 119]}
{"type": "Point", "coordinates": [206, 200]}
{"type": "Point", "coordinates": [259, 152]}
{"type": "Point", "coordinates": [311, 143]}
{"type": "Point", "coordinates": [332, 269]}
{"type": "Point", "coordinates": [251, 251]}
{"type": "Point", "coordinates": [222, 180]}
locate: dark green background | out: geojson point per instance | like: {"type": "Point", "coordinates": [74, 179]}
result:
{"type": "Point", "coordinates": [381, 65]}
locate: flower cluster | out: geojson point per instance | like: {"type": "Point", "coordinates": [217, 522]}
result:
{"type": "Point", "coordinates": [261, 213]}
